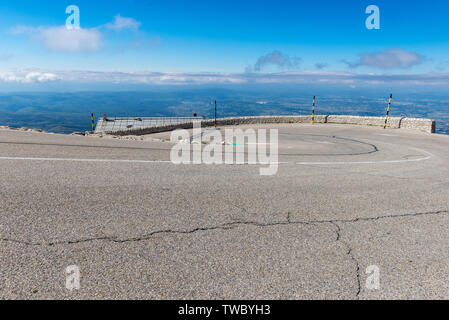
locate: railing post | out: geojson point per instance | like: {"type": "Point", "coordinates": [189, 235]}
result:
{"type": "Point", "coordinates": [313, 111]}
{"type": "Point", "coordinates": [388, 111]}
{"type": "Point", "coordinates": [93, 123]}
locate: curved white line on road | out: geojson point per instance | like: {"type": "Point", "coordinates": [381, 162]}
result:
{"type": "Point", "coordinates": [84, 160]}
{"type": "Point", "coordinates": [127, 161]}
{"type": "Point", "coordinates": [429, 156]}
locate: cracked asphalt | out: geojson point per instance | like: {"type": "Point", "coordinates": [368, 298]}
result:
{"type": "Point", "coordinates": [344, 198]}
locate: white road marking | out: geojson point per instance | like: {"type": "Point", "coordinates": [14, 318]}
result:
{"type": "Point", "coordinates": [125, 161]}
{"type": "Point", "coordinates": [428, 156]}
{"type": "Point", "coordinates": [84, 160]}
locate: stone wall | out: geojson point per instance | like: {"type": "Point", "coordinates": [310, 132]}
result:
{"type": "Point", "coordinates": [424, 125]}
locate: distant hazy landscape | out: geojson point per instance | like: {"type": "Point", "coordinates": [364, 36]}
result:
{"type": "Point", "coordinates": [69, 112]}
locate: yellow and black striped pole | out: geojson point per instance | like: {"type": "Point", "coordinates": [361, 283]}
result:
{"type": "Point", "coordinates": [215, 114]}
{"type": "Point", "coordinates": [93, 123]}
{"type": "Point", "coordinates": [388, 111]}
{"type": "Point", "coordinates": [313, 111]}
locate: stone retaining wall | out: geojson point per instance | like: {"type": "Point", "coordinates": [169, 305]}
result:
{"type": "Point", "coordinates": [424, 125]}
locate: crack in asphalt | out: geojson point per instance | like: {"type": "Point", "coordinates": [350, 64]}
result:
{"type": "Point", "coordinates": [230, 225]}
{"type": "Point", "coordinates": [405, 215]}
{"type": "Point", "coordinates": [351, 256]}
{"type": "Point", "coordinates": [226, 226]}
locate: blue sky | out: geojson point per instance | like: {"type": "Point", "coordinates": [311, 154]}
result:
{"type": "Point", "coordinates": [224, 41]}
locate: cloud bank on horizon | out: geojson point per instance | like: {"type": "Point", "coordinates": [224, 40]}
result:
{"type": "Point", "coordinates": [184, 43]}
{"type": "Point", "coordinates": [159, 78]}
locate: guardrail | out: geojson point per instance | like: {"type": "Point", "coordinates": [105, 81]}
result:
{"type": "Point", "coordinates": [110, 125]}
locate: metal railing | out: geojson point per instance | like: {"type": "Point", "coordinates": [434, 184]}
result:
{"type": "Point", "coordinates": [123, 124]}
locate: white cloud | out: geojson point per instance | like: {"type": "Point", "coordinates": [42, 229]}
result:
{"type": "Point", "coordinates": [33, 77]}
{"type": "Point", "coordinates": [391, 58]}
{"type": "Point", "coordinates": [120, 23]}
{"type": "Point", "coordinates": [275, 58]}
{"type": "Point", "coordinates": [60, 38]}
{"type": "Point", "coordinates": [63, 39]}
{"type": "Point", "coordinates": [75, 40]}
{"type": "Point", "coordinates": [27, 77]}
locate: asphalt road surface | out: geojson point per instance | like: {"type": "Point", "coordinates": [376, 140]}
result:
{"type": "Point", "coordinates": [344, 199]}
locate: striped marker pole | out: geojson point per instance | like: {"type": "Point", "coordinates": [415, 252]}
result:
{"type": "Point", "coordinates": [388, 111]}
{"type": "Point", "coordinates": [93, 123]}
{"type": "Point", "coordinates": [215, 113]}
{"type": "Point", "coordinates": [313, 111]}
